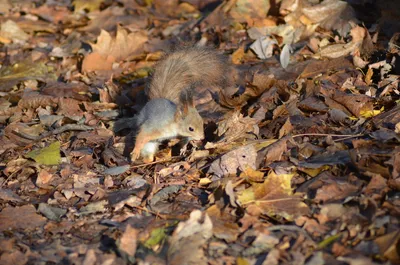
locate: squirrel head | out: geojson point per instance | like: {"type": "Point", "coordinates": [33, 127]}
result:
{"type": "Point", "coordinates": [190, 123]}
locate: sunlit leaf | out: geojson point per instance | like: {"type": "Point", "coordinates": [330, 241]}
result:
{"type": "Point", "coordinates": [47, 156]}
{"type": "Point", "coordinates": [156, 237]}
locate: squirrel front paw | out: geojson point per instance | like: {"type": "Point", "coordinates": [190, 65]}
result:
{"type": "Point", "coordinates": [135, 154]}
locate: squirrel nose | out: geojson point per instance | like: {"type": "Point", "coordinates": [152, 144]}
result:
{"type": "Point", "coordinates": [201, 135]}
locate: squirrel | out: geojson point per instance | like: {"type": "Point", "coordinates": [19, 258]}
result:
{"type": "Point", "coordinates": [170, 112]}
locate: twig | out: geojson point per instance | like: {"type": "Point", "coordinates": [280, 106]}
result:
{"type": "Point", "coordinates": [328, 134]}
{"type": "Point", "coordinates": [64, 128]}
{"type": "Point", "coordinates": [8, 178]}
{"type": "Point", "coordinates": [156, 162]}
{"type": "Point", "coordinates": [290, 228]}
{"type": "Point", "coordinates": [150, 211]}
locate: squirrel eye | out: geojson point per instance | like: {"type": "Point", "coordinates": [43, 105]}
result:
{"type": "Point", "coordinates": [191, 129]}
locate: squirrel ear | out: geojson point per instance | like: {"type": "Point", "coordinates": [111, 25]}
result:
{"type": "Point", "coordinates": [181, 111]}
{"type": "Point", "coordinates": [186, 97]}
{"type": "Point", "coordinates": [184, 108]}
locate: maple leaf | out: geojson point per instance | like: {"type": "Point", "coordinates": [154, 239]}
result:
{"type": "Point", "coordinates": [109, 50]}
{"type": "Point", "coordinates": [274, 197]}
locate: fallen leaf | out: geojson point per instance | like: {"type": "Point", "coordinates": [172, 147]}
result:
{"type": "Point", "coordinates": [43, 178]}
{"type": "Point", "coordinates": [16, 258]}
{"type": "Point", "coordinates": [108, 50]}
{"type": "Point", "coordinates": [51, 212]}
{"type": "Point", "coordinates": [186, 243]}
{"type": "Point", "coordinates": [229, 163]}
{"type": "Point", "coordinates": [11, 30]}
{"type": "Point", "coordinates": [86, 5]}
{"type": "Point", "coordinates": [246, 11]}
{"type": "Point", "coordinates": [263, 47]}
{"type": "Point", "coordinates": [157, 236]}
{"type": "Point", "coordinates": [24, 217]}
{"type": "Point", "coordinates": [94, 207]}
{"type": "Point", "coordinates": [48, 155]}
{"type": "Point", "coordinates": [9, 196]}
{"type": "Point", "coordinates": [224, 226]}
{"type": "Point", "coordinates": [128, 242]}
{"type": "Point", "coordinates": [339, 50]}
{"type": "Point", "coordinates": [252, 175]}
{"type": "Point", "coordinates": [388, 246]}
{"type": "Point", "coordinates": [274, 197]}
{"type": "Point", "coordinates": [285, 55]}
{"type": "Point", "coordinates": [12, 75]}
{"type": "Point", "coordinates": [114, 171]}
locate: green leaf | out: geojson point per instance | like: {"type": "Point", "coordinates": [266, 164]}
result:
{"type": "Point", "coordinates": [156, 236]}
{"type": "Point", "coordinates": [47, 156]}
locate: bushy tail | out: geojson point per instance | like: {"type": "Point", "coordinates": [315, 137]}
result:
{"type": "Point", "coordinates": [188, 67]}
{"type": "Point", "coordinates": [126, 123]}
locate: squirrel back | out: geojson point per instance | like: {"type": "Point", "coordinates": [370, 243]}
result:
{"type": "Point", "coordinates": [185, 68]}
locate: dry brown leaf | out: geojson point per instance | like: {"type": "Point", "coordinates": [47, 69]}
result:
{"type": "Point", "coordinates": [24, 217]}
{"type": "Point", "coordinates": [224, 226]}
{"type": "Point", "coordinates": [333, 191]}
{"type": "Point", "coordinates": [9, 196]}
{"type": "Point", "coordinates": [248, 11]}
{"type": "Point", "coordinates": [234, 127]}
{"type": "Point", "coordinates": [43, 178]}
{"type": "Point", "coordinates": [77, 91]}
{"type": "Point", "coordinates": [109, 19]}
{"type": "Point", "coordinates": [338, 50]}
{"type": "Point", "coordinates": [272, 152]}
{"type": "Point", "coordinates": [186, 243]}
{"type": "Point", "coordinates": [356, 104]}
{"type": "Point", "coordinates": [237, 56]}
{"type": "Point", "coordinates": [10, 30]}
{"type": "Point", "coordinates": [109, 50]}
{"type": "Point", "coordinates": [388, 246]}
{"type": "Point", "coordinates": [128, 241]}
{"type": "Point", "coordinates": [15, 257]}
{"type": "Point", "coordinates": [231, 162]}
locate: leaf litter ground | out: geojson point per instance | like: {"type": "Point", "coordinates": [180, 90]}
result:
{"type": "Point", "coordinates": [301, 162]}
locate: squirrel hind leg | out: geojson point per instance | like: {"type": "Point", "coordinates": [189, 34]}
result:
{"type": "Point", "coordinates": [149, 150]}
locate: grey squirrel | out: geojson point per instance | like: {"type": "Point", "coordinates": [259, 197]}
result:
{"type": "Point", "coordinates": [170, 111]}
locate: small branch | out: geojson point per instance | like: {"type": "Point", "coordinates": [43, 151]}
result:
{"type": "Point", "coordinates": [156, 162]}
{"type": "Point", "coordinates": [64, 128]}
{"type": "Point", "coordinates": [328, 134]}
{"type": "Point", "coordinates": [290, 228]}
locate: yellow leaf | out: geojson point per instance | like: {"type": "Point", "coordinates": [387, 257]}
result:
{"type": "Point", "coordinates": [204, 181]}
{"type": "Point", "coordinates": [246, 196]}
{"type": "Point", "coordinates": [47, 156]}
{"type": "Point", "coordinates": [371, 113]}
{"type": "Point", "coordinates": [242, 261]}
{"type": "Point", "coordinates": [252, 175]}
{"type": "Point", "coordinates": [89, 5]}
{"type": "Point", "coordinates": [238, 55]}
{"type": "Point", "coordinates": [314, 171]}
{"type": "Point", "coordinates": [274, 197]}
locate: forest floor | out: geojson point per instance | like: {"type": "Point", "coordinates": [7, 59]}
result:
{"type": "Point", "coordinates": [301, 161]}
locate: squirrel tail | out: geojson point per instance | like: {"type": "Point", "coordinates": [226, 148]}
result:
{"type": "Point", "coordinates": [184, 67]}
{"type": "Point", "coordinates": [126, 123]}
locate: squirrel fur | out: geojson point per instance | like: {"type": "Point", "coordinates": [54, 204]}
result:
{"type": "Point", "coordinates": [170, 111]}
